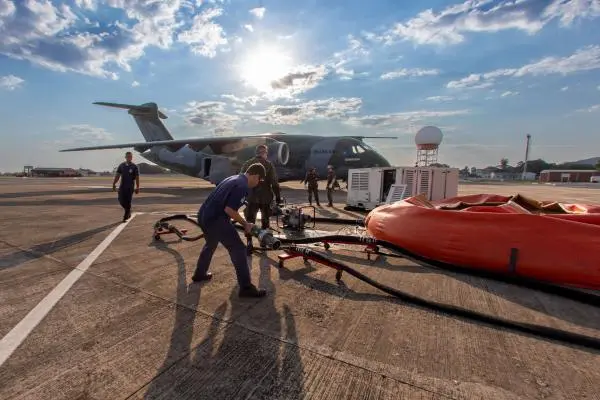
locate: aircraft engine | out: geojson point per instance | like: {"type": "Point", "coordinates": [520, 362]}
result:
{"type": "Point", "coordinates": [279, 152]}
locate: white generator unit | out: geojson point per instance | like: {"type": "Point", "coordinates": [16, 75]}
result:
{"type": "Point", "coordinates": [371, 187]}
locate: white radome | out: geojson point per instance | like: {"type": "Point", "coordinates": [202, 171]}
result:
{"type": "Point", "coordinates": [429, 135]}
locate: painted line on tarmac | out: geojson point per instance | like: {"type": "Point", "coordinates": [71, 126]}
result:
{"type": "Point", "coordinates": [19, 333]}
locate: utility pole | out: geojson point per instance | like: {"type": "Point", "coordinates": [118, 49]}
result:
{"type": "Point", "coordinates": [526, 157]}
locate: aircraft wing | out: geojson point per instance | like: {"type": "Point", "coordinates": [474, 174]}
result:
{"type": "Point", "coordinates": [375, 137]}
{"type": "Point", "coordinates": [197, 143]}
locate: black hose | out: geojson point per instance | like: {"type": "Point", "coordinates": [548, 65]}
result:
{"type": "Point", "coordinates": [542, 286]}
{"type": "Point", "coordinates": [163, 224]}
{"type": "Point", "coordinates": [541, 331]}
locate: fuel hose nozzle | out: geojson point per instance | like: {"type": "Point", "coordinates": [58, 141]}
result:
{"type": "Point", "coordinates": [265, 238]}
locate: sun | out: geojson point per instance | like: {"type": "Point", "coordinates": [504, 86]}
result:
{"type": "Point", "coordinates": [264, 65]}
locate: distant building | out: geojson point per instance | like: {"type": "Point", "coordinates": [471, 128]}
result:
{"type": "Point", "coordinates": [54, 172]}
{"type": "Point", "coordinates": [567, 175]}
{"type": "Point", "coordinates": [87, 172]}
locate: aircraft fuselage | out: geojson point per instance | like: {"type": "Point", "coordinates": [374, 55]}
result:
{"type": "Point", "coordinates": [305, 151]}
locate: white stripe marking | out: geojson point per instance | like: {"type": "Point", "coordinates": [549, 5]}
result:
{"type": "Point", "coordinates": [19, 333]}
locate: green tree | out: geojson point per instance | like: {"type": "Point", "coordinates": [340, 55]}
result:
{"type": "Point", "coordinates": [503, 163]}
{"type": "Point", "coordinates": [598, 165]}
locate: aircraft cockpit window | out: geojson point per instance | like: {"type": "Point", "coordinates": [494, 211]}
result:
{"type": "Point", "coordinates": [357, 149]}
{"type": "Point", "coordinates": [366, 147]}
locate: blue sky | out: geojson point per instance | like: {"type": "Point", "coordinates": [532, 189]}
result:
{"type": "Point", "coordinates": [486, 72]}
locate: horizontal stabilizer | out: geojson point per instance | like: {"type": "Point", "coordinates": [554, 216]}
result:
{"type": "Point", "coordinates": [375, 137]}
{"type": "Point", "coordinates": [148, 107]}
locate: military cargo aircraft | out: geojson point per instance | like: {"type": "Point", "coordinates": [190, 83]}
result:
{"type": "Point", "coordinates": [215, 158]}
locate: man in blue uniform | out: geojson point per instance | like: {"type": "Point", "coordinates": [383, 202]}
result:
{"type": "Point", "coordinates": [128, 172]}
{"type": "Point", "coordinates": [214, 218]}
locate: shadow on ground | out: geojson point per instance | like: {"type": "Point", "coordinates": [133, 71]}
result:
{"type": "Point", "coordinates": [43, 249]}
{"type": "Point", "coordinates": [231, 361]}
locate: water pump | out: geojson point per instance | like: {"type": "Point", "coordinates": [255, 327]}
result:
{"type": "Point", "coordinates": [294, 218]}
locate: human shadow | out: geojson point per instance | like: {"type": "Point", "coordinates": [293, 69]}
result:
{"type": "Point", "coordinates": [340, 289]}
{"type": "Point", "coordinates": [180, 343]}
{"type": "Point", "coordinates": [47, 248]}
{"type": "Point", "coordinates": [237, 361]}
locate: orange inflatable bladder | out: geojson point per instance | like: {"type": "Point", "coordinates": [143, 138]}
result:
{"type": "Point", "coordinates": [555, 242]}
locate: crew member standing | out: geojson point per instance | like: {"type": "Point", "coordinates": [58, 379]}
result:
{"type": "Point", "coordinates": [128, 172]}
{"type": "Point", "coordinates": [330, 184]}
{"type": "Point", "coordinates": [214, 219]}
{"type": "Point", "coordinates": [312, 179]}
{"type": "Point", "coordinates": [261, 196]}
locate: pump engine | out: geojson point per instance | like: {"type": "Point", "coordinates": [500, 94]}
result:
{"type": "Point", "coordinates": [295, 218]}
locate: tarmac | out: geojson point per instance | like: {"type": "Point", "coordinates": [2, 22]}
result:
{"type": "Point", "coordinates": [91, 308]}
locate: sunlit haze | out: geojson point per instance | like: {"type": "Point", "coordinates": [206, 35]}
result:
{"type": "Point", "coordinates": [486, 72]}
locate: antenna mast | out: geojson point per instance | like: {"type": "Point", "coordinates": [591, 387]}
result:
{"type": "Point", "coordinates": [526, 156]}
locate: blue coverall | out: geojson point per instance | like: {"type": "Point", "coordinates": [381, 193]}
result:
{"type": "Point", "coordinates": [217, 227]}
{"type": "Point", "coordinates": [128, 174]}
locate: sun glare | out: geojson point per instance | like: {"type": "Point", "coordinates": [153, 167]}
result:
{"type": "Point", "coordinates": [263, 66]}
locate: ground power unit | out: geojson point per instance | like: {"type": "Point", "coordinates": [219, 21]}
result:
{"type": "Point", "coordinates": [371, 187]}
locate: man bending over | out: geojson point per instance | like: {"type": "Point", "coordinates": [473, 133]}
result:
{"type": "Point", "coordinates": [214, 218]}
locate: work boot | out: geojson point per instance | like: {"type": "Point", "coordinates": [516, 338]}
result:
{"type": "Point", "coordinates": [204, 278]}
{"type": "Point", "coordinates": [252, 291]}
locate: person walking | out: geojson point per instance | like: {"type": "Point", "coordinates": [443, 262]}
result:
{"type": "Point", "coordinates": [128, 173]}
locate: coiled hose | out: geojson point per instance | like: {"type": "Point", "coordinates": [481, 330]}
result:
{"type": "Point", "coordinates": [162, 226]}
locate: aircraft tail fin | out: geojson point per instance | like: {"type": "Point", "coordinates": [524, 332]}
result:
{"type": "Point", "coordinates": [148, 119]}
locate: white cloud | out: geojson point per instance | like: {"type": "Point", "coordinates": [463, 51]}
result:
{"type": "Point", "coordinates": [299, 80]}
{"type": "Point", "coordinates": [210, 114]}
{"type": "Point", "coordinates": [410, 72]}
{"type": "Point", "coordinates": [343, 63]}
{"type": "Point", "coordinates": [83, 134]}
{"type": "Point", "coordinates": [440, 98]}
{"type": "Point", "coordinates": [258, 12]}
{"type": "Point", "coordinates": [564, 89]}
{"type": "Point", "coordinates": [241, 102]}
{"type": "Point", "coordinates": [333, 108]}
{"type": "Point", "coordinates": [249, 27]}
{"type": "Point", "coordinates": [402, 120]}
{"type": "Point", "coordinates": [10, 82]}
{"type": "Point", "coordinates": [449, 26]}
{"type": "Point", "coordinates": [509, 93]}
{"type": "Point", "coordinates": [585, 59]}
{"type": "Point", "coordinates": [594, 108]}
{"type": "Point", "coordinates": [54, 36]}
{"type": "Point", "coordinates": [205, 36]}
{"type": "Point", "coordinates": [135, 84]}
